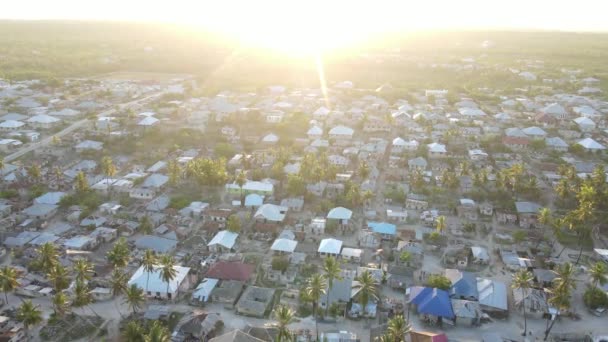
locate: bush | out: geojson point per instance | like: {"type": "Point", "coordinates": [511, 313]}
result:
{"type": "Point", "coordinates": [439, 282]}
{"type": "Point", "coordinates": [595, 298]}
{"type": "Point", "coordinates": [280, 263]}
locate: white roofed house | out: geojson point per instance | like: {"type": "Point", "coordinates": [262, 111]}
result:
{"type": "Point", "coordinates": [534, 132]}
{"type": "Point", "coordinates": [340, 214]}
{"type": "Point", "coordinates": [330, 247]}
{"type": "Point", "coordinates": [341, 133]}
{"type": "Point", "coordinates": [555, 110]}
{"type": "Point", "coordinates": [223, 241]}
{"type": "Point", "coordinates": [148, 121]}
{"type": "Point", "coordinates": [89, 145]}
{"type": "Point", "coordinates": [155, 287]}
{"type": "Point", "coordinates": [284, 246]}
{"type": "Point", "coordinates": [437, 150]}
{"type": "Point", "coordinates": [7, 145]}
{"type": "Point", "coordinates": [251, 187]}
{"type": "Point", "coordinates": [493, 298]}
{"type": "Point", "coordinates": [43, 121]}
{"type": "Point", "coordinates": [591, 145]}
{"type": "Point", "coordinates": [314, 132]}
{"type": "Point", "coordinates": [270, 139]}
{"type": "Point", "coordinates": [321, 113]}
{"type": "Point", "coordinates": [557, 144]}
{"type": "Point", "coordinates": [270, 213]}
{"type": "Point", "coordinates": [11, 125]}
{"type": "Point", "coordinates": [585, 124]}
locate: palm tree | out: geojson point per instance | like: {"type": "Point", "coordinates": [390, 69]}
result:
{"type": "Point", "coordinates": [118, 285]}
{"type": "Point", "coordinates": [61, 304]}
{"type": "Point", "coordinates": [82, 296]}
{"type": "Point", "coordinates": [34, 172]}
{"type": "Point", "coordinates": [368, 289]}
{"type": "Point", "coordinates": [241, 180]}
{"type": "Point", "coordinates": [29, 315]}
{"type": "Point", "coordinates": [59, 277]}
{"type": "Point", "coordinates": [564, 279]}
{"type": "Point", "coordinates": [332, 270]}
{"type": "Point", "coordinates": [83, 270]}
{"type": "Point", "coordinates": [134, 297]}
{"type": "Point", "coordinates": [8, 280]}
{"type": "Point", "coordinates": [133, 332]}
{"type": "Point", "coordinates": [598, 274]}
{"type": "Point", "coordinates": [441, 224]}
{"type": "Point", "coordinates": [523, 281]}
{"type": "Point", "coordinates": [314, 290]}
{"type": "Point", "coordinates": [284, 316]}
{"type": "Point", "coordinates": [109, 170]}
{"type": "Point", "coordinates": [82, 184]}
{"type": "Point", "coordinates": [145, 226]}
{"type": "Point", "coordinates": [560, 300]}
{"type": "Point", "coordinates": [120, 254]}
{"type": "Point", "coordinates": [47, 256]}
{"type": "Point", "coordinates": [158, 333]}
{"type": "Point", "coordinates": [148, 262]}
{"type": "Point", "coordinates": [397, 328]}
{"type": "Point", "coordinates": [167, 271]}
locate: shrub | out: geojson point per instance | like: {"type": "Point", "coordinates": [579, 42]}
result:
{"type": "Point", "coordinates": [595, 298]}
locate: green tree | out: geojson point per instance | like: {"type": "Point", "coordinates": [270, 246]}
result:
{"type": "Point", "coordinates": [118, 282]}
{"type": "Point", "coordinates": [134, 297]}
{"type": "Point", "coordinates": [405, 257]}
{"type": "Point", "coordinates": [28, 314]}
{"type": "Point", "coordinates": [148, 262]}
{"type": "Point", "coordinates": [35, 173]}
{"type": "Point", "coordinates": [167, 271]}
{"type": "Point", "coordinates": [120, 254]}
{"type": "Point", "coordinates": [364, 170]}
{"type": "Point", "coordinates": [108, 169]}
{"type": "Point", "coordinates": [594, 298]}
{"type": "Point", "coordinates": [438, 281]}
{"type": "Point", "coordinates": [296, 185]}
{"type": "Point", "coordinates": [133, 332]}
{"type": "Point", "coordinates": [82, 296]}
{"type": "Point", "coordinates": [284, 316]}
{"type": "Point", "coordinates": [241, 180]}
{"type": "Point", "coordinates": [332, 271]}
{"type": "Point", "coordinates": [8, 280]}
{"type": "Point", "coordinates": [59, 277]}
{"type": "Point", "coordinates": [83, 270]}
{"type": "Point", "coordinates": [440, 224]}
{"type": "Point", "coordinates": [145, 225]}
{"type": "Point", "coordinates": [61, 304]}
{"type": "Point", "coordinates": [314, 289]}
{"type": "Point", "coordinates": [158, 333]}
{"type": "Point", "coordinates": [398, 328]}
{"type": "Point", "coordinates": [174, 172]}
{"type": "Point", "coordinates": [233, 224]}
{"type": "Point", "coordinates": [598, 274]}
{"type": "Point", "coordinates": [47, 256]}
{"type": "Point", "coordinates": [523, 281]}
{"type": "Point", "coordinates": [519, 236]}
{"type": "Point", "coordinates": [280, 263]}
{"type": "Point", "coordinates": [367, 288]}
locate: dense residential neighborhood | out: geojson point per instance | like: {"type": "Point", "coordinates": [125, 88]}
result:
{"type": "Point", "coordinates": [334, 214]}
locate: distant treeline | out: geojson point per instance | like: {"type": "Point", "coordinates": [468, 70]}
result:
{"type": "Point", "coordinates": [44, 49]}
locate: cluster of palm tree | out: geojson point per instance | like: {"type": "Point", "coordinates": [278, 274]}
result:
{"type": "Point", "coordinates": [321, 284]}
{"type": "Point", "coordinates": [207, 172]}
{"type": "Point", "coordinates": [155, 332]}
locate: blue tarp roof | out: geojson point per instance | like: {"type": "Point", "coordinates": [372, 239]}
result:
{"type": "Point", "coordinates": [430, 301]}
{"type": "Point", "coordinates": [464, 284]}
{"type": "Point", "coordinates": [382, 228]}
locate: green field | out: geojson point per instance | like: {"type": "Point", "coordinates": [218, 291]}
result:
{"type": "Point", "coordinates": [42, 49]}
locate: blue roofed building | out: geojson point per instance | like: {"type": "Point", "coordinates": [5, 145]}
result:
{"type": "Point", "coordinates": [464, 284]}
{"type": "Point", "coordinates": [387, 231]}
{"type": "Point", "coordinates": [155, 243]}
{"type": "Point", "coordinates": [431, 302]}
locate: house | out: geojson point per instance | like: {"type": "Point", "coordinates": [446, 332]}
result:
{"type": "Point", "coordinates": [417, 163]}
{"type": "Point", "coordinates": [416, 202]}
{"type": "Point", "coordinates": [154, 286]}
{"type": "Point", "coordinates": [339, 336]}
{"type": "Point", "coordinates": [591, 145]}
{"type": "Point", "coordinates": [585, 124]}
{"type": "Point", "coordinates": [352, 255]}
{"type": "Point", "coordinates": [255, 301]}
{"type": "Point", "coordinates": [375, 124]}
{"type": "Point", "coordinates": [466, 312]}
{"type": "Point", "coordinates": [516, 143]}
{"type": "Point", "coordinates": [535, 133]}
{"type": "Point", "coordinates": [43, 121]}
{"type": "Point", "coordinates": [431, 302]}
{"type": "Point", "coordinates": [493, 297]}
{"type": "Point", "coordinates": [533, 300]}
{"type": "Point", "coordinates": [341, 292]}
{"type": "Point", "coordinates": [341, 133]}
{"type": "Point", "coordinates": [396, 215]}
{"type": "Point", "coordinates": [293, 203]}
{"type": "Point", "coordinates": [89, 145]}
{"type": "Point", "coordinates": [80, 243]}
{"type": "Point", "coordinates": [104, 234]}
{"type": "Point", "coordinates": [527, 213]}
{"type": "Point", "coordinates": [197, 326]}
{"type": "Point", "coordinates": [203, 291]}
{"type": "Point", "coordinates": [437, 150]}
{"type": "Point", "coordinates": [270, 139]}
{"type": "Point", "coordinates": [330, 247]}
{"type": "Point", "coordinates": [423, 336]}
{"type": "Point", "coordinates": [223, 241]}
{"type": "Point", "coordinates": [274, 116]}
{"type": "Point", "coordinates": [543, 277]}
{"type": "Point", "coordinates": [251, 187]}
{"type": "Point", "coordinates": [464, 284]}
{"type": "Point", "coordinates": [341, 214]}
{"type": "Point", "coordinates": [7, 145]}
{"type": "Point", "coordinates": [230, 270]}
{"type": "Point", "coordinates": [218, 215]}
{"type": "Point", "coordinates": [315, 132]}
{"type": "Point", "coordinates": [148, 121]}
{"type": "Point", "coordinates": [386, 231]}
{"type": "Point", "coordinates": [53, 198]}
{"type": "Point", "coordinates": [41, 211]}
{"type": "Point", "coordinates": [158, 244]}
{"type": "Point", "coordinates": [270, 213]}
{"type": "Point", "coordinates": [557, 144]}
{"type": "Point", "coordinates": [11, 125]}
{"type": "Point", "coordinates": [253, 201]}
{"type": "Point", "coordinates": [282, 245]}
{"type": "Point", "coordinates": [555, 110]}
{"type": "Point", "coordinates": [480, 255]}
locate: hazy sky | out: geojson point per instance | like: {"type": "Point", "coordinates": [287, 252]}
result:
{"type": "Point", "coordinates": [583, 15]}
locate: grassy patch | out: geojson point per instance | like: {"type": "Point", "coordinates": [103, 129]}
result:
{"type": "Point", "coordinates": [70, 328]}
